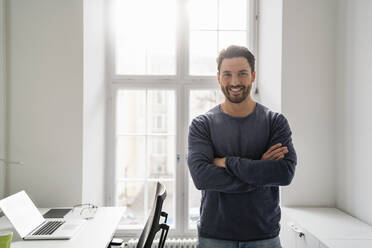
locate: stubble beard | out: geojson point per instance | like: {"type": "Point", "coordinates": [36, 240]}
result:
{"type": "Point", "coordinates": [239, 98]}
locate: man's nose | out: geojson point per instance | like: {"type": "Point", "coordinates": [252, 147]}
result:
{"type": "Point", "coordinates": [235, 80]}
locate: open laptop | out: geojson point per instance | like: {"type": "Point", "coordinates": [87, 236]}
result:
{"type": "Point", "coordinates": [30, 224]}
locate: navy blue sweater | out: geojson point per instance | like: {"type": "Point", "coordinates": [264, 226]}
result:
{"type": "Point", "coordinates": [240, 202]}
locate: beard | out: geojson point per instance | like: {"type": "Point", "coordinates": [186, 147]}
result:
{"type": "Point", "coordinates": [244, 93]}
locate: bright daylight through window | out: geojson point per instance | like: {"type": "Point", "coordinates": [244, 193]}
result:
{"type": "Point", "coordinates": [163, 74]}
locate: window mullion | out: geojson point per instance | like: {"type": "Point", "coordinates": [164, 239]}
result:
{"type": "Point", "coordinates": [182, 40]}
{"type": "Point", "coordinates": [218, 25]}
{"type": "Point", "coordinates": [146, 157]}
{"type": "Point", "coordinates": [185, 116]}
{"type": "Point", "coordinates": [182, 66]}
{"type": "Point", "coordinates": [181, 206]}
{"type": "Point", "coordinates": [254, 24]}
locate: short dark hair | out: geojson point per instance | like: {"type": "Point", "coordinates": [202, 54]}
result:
{"type": "Point", "coordinates": [234, 51]}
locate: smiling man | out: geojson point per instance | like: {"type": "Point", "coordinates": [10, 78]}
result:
{"type": "Point", "coordinates": [240, 152]}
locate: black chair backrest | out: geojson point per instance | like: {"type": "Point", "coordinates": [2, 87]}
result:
{"type": "Point", "coordinates": [152, 225]}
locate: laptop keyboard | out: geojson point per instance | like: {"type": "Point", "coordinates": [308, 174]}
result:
{"type": "Point", "coordinates": [49, 228]}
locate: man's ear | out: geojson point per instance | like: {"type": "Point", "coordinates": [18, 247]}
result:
{"type": "Point", "coordinates": [253, 76]}
{"type": "Point", "coordinates": [218, 77]}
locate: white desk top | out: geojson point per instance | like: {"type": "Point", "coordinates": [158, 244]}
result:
{"type": "Point", "coordinates": [96, 233]}
{"type": "Point", "coordinates": [329, 223]}
{"type": "Point", "coordinates": [333, 227]}
{"type": "Point", "coordinates": [347, 243]}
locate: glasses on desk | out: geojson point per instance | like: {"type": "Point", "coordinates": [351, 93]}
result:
{"type": "Point", "coordinates": [86, 210]}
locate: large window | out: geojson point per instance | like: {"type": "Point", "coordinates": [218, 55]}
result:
{"type": "Point", "coordinates": [162, 64]}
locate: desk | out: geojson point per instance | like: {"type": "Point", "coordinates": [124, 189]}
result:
{"type": "Point", "coordinates": [96, 233]}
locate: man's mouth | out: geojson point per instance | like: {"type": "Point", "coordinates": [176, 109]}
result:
{"type": "Point", "coordinates": [236, 90]}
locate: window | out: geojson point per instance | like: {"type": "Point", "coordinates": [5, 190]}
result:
{"type": "Point", "coordinates": [162, 64]}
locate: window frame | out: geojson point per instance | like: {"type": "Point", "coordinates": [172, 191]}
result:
{"type": "Point", "coordinates": [182, 84]}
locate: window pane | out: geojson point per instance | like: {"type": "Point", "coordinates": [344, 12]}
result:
{"type": "Point", "coordinates": [203, 100]}
{"type": "Point", "coordinates": [211, 26]}
{"type": "Point", "coordinates": [131, 196]}
{"type": "Point", "coordinates": [161, 111]}
{"type": "Point", "coordinates": [227, 38]}
{"type": "Point", "coordinates": [130, 111]}
{"type": "Point", "coordinates": [203, 14]}
{"type": "Point", "coordinates": [161, 128]}
{"type": "Point", "coordinates": [168, 206]}
{"type": "Point", "coordinates": [203, 53]}
{"type": "Point", "coordinates": [130, 159]}
{"type": "Point", "coordinates": [161, 156]}
{"type": "Point", "coordinates": [145, 32]}
{"type": "Point", "coordinates": [145, 148]}
{"type": "Point", "coordinates": [200, 102]}
{"type": "Point", "coordinates": [233, 15]}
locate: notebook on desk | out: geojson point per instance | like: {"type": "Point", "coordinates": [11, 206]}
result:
{"type": "Point", "coordinates": [30, 224]}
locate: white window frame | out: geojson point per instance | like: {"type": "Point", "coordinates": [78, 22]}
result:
{"type": "Point", "coordinates": [182, 84]}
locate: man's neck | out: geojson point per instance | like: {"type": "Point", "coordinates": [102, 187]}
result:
{"type": "Point", "coordinates": [238, 109]}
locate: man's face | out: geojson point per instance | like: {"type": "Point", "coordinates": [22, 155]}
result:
{"type": "Point", "coordinates": [236, 79]}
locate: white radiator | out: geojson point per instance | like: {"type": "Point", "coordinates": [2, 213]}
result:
{"type": "Point", "coordinates": [169, 243]}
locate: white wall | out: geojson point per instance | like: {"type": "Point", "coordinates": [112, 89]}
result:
{"type": "Point", "coordinates": [57, 100]}
{"type": "Point", "coordinates": [45, 75]}
{"type": "Point", "coordinates": [308, 98]}
{"type": "Point", "coordinates": [2, 98]}
{"type": "Point", "coordinates": [326, 95]}
{"type": "Point", "coordinates": [354, 85]}
{"type": "Point", "coordinates": [270, 53]}
{"type": "Point", "coordinates": [94, 103]}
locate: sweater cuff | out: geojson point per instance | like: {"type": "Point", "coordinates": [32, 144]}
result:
{"type": "Point", "coordinates": [229, 164]}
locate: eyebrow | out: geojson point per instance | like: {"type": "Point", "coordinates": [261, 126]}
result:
{"type": "Point", "coordinates": [238, 71]}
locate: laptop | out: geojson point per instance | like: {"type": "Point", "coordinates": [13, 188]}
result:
{"type": "Point", "coordinates": [30, 224]}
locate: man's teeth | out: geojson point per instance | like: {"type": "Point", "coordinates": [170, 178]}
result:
{"type": "Point", "coordinates": [235, 89]}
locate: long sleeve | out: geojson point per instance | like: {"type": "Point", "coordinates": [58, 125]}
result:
{"type": "Point", "coordinates": [205, 174]}
{"type": "Point", "coordinates": [268, 172]}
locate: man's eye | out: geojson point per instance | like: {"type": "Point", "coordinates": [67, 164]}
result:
{"type": "Point", "coordinates": [227, 75]}
{"type": "Point", "coordinates": [243, 74]}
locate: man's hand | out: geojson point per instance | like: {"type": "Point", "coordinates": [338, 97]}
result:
{"type": "Point", "coordinates": [220, 162]}
{"type": "Point", "coordinates": [275, 152]}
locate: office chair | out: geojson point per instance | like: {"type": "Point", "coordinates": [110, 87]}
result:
{"type": "Point", "coordinates": [152, 225]}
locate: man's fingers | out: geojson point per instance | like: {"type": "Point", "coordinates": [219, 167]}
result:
{"type": "Point", "coordinates": [283, 150]}
{"type": "Point", "coordinates": [275, 152]}
{"type": "Point", "coordinates": [280, 157]}
{"type": "Point", "coordinates": [274, 147]}
{"type": "Point", "coordinates": [272, 157]}
{"type": "Point", "coordinates": [277, 155]}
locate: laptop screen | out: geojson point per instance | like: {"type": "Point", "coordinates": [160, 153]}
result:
{"type": "Point", "coordinates": [21, 212]}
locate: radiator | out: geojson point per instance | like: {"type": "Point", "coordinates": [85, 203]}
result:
{"type": "Point", "coordinates": [169, 243]}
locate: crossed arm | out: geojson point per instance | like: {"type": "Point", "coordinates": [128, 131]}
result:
{"type": "Point", "coordinates": [235, 174]}
{"type": "Point", "coordinates": [275, 152]}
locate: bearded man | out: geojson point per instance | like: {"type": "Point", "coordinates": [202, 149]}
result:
{"type": "Point", "coordinates": [239, 153]}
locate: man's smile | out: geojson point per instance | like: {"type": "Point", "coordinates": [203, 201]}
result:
{"type": "Point", "coordinates": [236, 90]}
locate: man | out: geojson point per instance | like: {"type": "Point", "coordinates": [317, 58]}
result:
{"type": "Point", "coordinates": [240, 152]}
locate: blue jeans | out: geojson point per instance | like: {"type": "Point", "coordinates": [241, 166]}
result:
{"type": "Point", "coordinates": [219, 243]}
